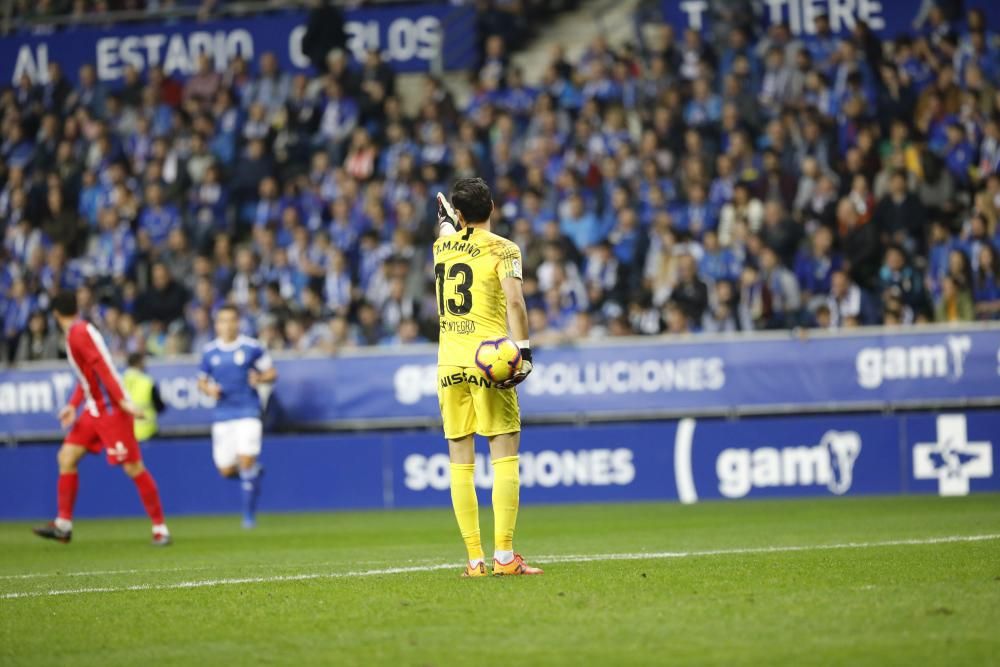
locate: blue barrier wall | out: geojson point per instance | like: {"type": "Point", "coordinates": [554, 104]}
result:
{"type": "Point", "coordinates": [887, 18]}
{"type": "Point", "coordinates": [687, 460]}
{"type": "Point", "coordinates": [411, 38]}
{"type": "Point", "coordinates": [955, 367]}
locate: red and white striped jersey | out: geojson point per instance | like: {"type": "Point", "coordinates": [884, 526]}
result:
{"type": "Point", "coordinates": [95, 370]}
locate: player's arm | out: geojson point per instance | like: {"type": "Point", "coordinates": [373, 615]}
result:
{"type": "Point", "coordinates": [68, 412]}
{"type": "Point", "coordinates": [206, 384]}
{"type": "Point", "coordinates": [92, 350]}
{"type": "Point", "coordinates": [158, 403]}
{"type": "Point", "coordinates": [448, 223]}
{"type": "Point", "coordinates": [76, 398]}
{"type": "Point", "coordinates": [208, 387]}
{"type": "Point", "coordinates": [110, 381]}
{"type": "Point", "coordinates": [264, 371]}
{"type": "Point", "coordinates": [517, 320]}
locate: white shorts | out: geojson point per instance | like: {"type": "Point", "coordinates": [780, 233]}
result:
{"type": "Point", "coordinates": [234, 438]}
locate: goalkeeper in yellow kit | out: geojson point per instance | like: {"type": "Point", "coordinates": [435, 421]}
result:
{"type": "Point", "coordinates": [477, 276]}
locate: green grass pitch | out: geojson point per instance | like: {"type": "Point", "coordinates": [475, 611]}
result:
{"type": "Point", "coordinates": [313, 588]}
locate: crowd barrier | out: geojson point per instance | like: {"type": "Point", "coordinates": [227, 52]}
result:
{"type": "Point", "coordinates": [411, 38]}
{"type": "Point", "coordinates": [633, 378]}
{"type": "Point", "coordinates": [886, 18]}
{"type": "Point", "coordinates": [951, 453]}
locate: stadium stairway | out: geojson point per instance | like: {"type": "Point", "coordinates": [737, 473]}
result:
{"type": "Point", "coordinates": [575, 30]}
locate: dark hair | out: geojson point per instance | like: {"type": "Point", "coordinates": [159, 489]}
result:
{"type": "Point", "coordinates": [135, 359]}
{"type": "Point", "coordinates": [64, 303]}
{"type": "Point", "coordinates": [230, 307]}
{"type": "Point", "coordinates": [472, 197]}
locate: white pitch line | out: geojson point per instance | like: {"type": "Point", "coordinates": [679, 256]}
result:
{"type": "Point", "coordinates": [194, 568]}
{"type": "Point", "coordinates": [86, 573]}
{"type": "Point", "coordinates": [206, 583]}
{"type": "Point", "coordinates": [569, 558]}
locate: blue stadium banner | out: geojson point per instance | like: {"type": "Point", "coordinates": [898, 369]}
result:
{"type": "Point", "coordinates": [690, 460]}
{"type": "Point", "coordinates": [637, 378]}
{"type": "Point", "coordinates": [885, 17]}
{"type": "Point", "coordinates": [410, 37]}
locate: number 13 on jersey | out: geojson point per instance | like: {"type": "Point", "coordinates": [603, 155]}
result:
{"type": "Point", "coordinates": [459, 275]}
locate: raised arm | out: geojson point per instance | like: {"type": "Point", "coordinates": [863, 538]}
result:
{"type": "Point", "coordinates": [448, 223]}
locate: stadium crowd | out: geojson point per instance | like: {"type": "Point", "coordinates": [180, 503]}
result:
{"type": "Point", "coordinates": [754, 181]}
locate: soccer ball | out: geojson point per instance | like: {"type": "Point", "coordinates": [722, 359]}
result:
{"type": "Point", "coordinates": [498, 359]}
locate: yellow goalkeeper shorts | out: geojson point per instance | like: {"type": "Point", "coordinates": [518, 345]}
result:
{"type": "Point", "coordinates": [471, 404]}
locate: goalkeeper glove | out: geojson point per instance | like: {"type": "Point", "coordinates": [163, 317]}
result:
{"type": "Point", "coordinates": [447, 220]}
{"type": "Point", "coordinates": [523, 372]}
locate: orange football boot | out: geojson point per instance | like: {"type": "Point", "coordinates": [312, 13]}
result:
{"type": "Point", "coordinates": [478, 571]}
{"type": "Point", "coordinates": [515, 567]}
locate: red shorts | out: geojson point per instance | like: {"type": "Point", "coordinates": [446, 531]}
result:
{"type": "Point", "coordinates": [115, 433]}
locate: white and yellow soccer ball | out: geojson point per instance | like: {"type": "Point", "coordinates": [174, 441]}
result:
{"type": "Point", "coordinates": [498, 359]}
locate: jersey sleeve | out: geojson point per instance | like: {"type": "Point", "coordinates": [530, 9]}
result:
{"type": "Point", "coordinates": [261, 360]}
{"type": "Point", "coordinates": [204, 368]}
{"type": "Point", "coordinates": [509, 261]}
{"type": "Point", "coordinates": [89, 342]}
{"type": "Point", "coordinates": [76, 398]}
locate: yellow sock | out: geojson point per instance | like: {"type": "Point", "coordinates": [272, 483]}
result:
{"type": "Point", "coordinates": [506, 492]}
{"type": "Point", "coordinates": [463, 499]}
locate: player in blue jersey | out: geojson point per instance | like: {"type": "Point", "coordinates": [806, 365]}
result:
{"type": "Point", "coordinates": [232, 367]}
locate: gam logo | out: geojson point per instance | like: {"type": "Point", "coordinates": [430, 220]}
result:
{"type": "Point", "coordinates": [876, 365]}
{"type": "Point", "coordinates": [829, 464]}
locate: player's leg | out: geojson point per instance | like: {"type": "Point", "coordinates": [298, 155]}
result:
{"type": "Point", "coordinates": [224, 450]}
{"type": "Point", "coordinates": [459, 426]}
{"type": "Point", "coordinates": [248, 445]}
{"type": "Point", "coordinates": [149, 494]}
{"type": "Point", "coordinates": [68, 458]}
{"type": "Point", "coordinates": [506, 493]}
{"type": "Point", "coordinates": [465, 503]}
{"type": "Point", "coordinates": [503, 428]}
{"type": "Point", "coordinates": [118, 434]}
{"type": "Point", "coordinates": [225, 453]}
{"type": "Point", "coordinates": [82, 438]}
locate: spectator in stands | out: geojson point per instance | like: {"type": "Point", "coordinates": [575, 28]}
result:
{"type": "Point", "coordinates": [37, 343]}
{"type": "Point", "coordinates": [324, 33]}
{"type": "Point", "coordinates": [165, 299]}
{"type": "Point", "coordinates": [900, 217]}
{"type": "Point", "coordinates": [954, 304]}
{"type": "Point", "coordinates": [721, 317]}
{"type": "Point", "coordinates": [201, 89]}
{"type": "Point", "coordinates": [897, 276]}
{"type": "Point", "coordinates": [986, 283]}
{"type": "Point", "coordinates": [270, 88]}
{"type": "Point", "coordinates": [815, 267]}
{"type": "Point", "coordinates": [846, 300]}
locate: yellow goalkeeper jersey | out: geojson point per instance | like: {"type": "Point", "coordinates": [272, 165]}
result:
{"type": "Point", "coordinates": [468, 268]}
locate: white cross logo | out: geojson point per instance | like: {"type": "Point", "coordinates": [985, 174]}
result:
{"type": "Point", "coordinates": [952, 460]}
{"type": "Point", "coordinates": [118, 451]}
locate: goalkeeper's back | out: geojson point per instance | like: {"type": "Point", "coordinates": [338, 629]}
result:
{"type": "Point", "coordinates": [472, 306]}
